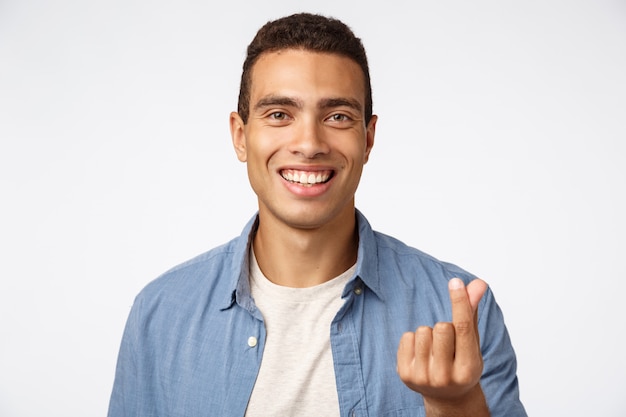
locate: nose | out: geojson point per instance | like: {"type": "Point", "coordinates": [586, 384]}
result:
{"type": "Point", "coordinates": [309, 140]}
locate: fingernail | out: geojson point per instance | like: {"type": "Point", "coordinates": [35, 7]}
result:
{"type": "Point", "coordinates": [455, 284]}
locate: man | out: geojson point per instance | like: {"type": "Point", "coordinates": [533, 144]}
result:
{"type": "Point", "coordinates": [310, 312]}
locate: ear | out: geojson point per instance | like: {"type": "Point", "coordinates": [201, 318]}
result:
{"type": "Point", "coordinates": [370, 133]}
{"type": "Point", "coordinates": [238, 136]}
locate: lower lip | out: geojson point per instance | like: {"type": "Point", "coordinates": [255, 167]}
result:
{"type": "Point", "coordinates": [307, 190]}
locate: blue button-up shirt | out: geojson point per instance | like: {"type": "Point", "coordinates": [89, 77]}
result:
{"type": "Point", "coordinates": [187, 350]}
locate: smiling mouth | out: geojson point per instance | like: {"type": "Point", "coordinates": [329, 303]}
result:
{"type": "Point", "coordinates": [306, 178]}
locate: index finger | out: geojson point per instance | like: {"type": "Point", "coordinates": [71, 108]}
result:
{"type": "Point", "coordinates": [464, 315]}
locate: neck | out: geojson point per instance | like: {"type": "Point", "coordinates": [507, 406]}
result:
{"type": "Point", "coordinates": [301, 258]}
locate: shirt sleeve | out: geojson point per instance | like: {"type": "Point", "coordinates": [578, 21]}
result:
{"type": "Point", "coordinates": [124, 397]}
{"type": "Point", "coordinates": [499, 379]}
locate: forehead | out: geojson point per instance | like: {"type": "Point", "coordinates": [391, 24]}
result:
{"type": "Point", "coordinates": [306, 74]}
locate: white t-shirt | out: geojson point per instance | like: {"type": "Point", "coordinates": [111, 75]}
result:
{"type": "Point", "coordinates": [297, 376]}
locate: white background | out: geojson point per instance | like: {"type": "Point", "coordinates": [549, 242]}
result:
{"type": "Point", "coordinates": [500, 147]}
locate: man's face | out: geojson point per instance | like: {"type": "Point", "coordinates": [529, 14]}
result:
{"type": "Point", "coordinates": [306, 141]}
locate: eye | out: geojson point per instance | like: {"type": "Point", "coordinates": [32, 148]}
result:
{"type": "Point", "coordinates": [278, 115]}
{"type": "Point", "coordinates": [338, 117]}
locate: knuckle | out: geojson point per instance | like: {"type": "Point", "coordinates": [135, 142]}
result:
{"type": "Point", "coordinates": [404, 373]}
{"type": "Point", "coordinates": [443, 328]}
{"type": "Point", "coordinates": [463, 327]}
{"type": "Point", "coordinates": [406, 340]}
{"type": "Point", "coordinates": [423, 337]}
{"type": "Point", "coordinates": [468, 375]}
{"type": "Point", "coordinates": [464, 377]}
{"type": "Point", "coordinates": [409, 376]}
{"type": "Point", "coordinates": [423, 330]}
{"type": "Point", "coordinates": [440, 380]}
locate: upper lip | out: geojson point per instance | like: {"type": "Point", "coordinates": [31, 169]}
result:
{"type": "Point", "coordinates": [307, 168]}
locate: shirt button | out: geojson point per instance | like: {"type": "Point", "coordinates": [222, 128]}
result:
{"type": "Point", "coordinates": [252, 341]}
{"type": "Point", "coordinates": [358, 290]}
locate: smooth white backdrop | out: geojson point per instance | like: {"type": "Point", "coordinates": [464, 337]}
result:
{"type": "Point", "coordinates": [500, 147]}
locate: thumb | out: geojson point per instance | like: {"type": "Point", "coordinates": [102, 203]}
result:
{"type": "Point", "coordinates": [475, 291]}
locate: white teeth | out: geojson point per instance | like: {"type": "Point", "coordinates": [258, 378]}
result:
{"type": "Point", "coordinates": [306, 178]}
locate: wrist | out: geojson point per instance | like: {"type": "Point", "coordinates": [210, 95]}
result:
{"type": "Point", "coordinates": [472, 404]}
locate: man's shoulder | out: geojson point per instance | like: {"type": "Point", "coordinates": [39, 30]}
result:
{"type": "Point", "coordinates": [205, 261]}
{"type": "Point", "coordinates": [392, 250]}
{"type": "Point", "coordinates": [209, 273]}
{"type": "Point", "coordinates": [389, 255]}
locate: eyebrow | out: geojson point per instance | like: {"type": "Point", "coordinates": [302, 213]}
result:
{"type": "Point", "coordinates": [271, 101]}
{"type": "Point", "coordinates": [329, 103]}
{"type": "Point", "coordinates": [326, 103]}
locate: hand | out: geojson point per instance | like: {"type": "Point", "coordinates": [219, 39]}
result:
{"type": "Point", "coordinates": [444, 363]}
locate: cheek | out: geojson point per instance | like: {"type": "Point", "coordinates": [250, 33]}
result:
{"type": "Point", "coordinates": [264, 148]}
{"type": "Point", "coordinates": [260, 155]}
{"type": "Point", "coordinates": [359, 154]}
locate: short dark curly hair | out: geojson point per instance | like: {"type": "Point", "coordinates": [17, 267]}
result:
{"type": "Point", "coordinates": [305, 31]}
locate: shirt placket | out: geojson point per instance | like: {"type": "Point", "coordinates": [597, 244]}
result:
{"type": "Point", "coordinates": [344, 339]}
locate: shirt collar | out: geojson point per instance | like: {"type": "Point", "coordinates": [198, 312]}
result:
{"type": "Point", "coordinates": [240, 267]}
{"type": "Point", "coordinates": [367, 257]}
{"type": "Point", "coordinates": [366, 268]}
